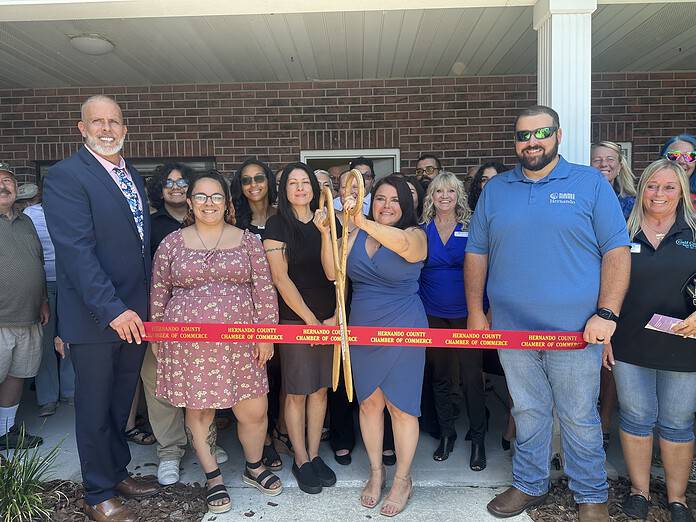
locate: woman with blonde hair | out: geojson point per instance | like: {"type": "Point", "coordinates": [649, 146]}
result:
{"type": "Point", "coordinates": [446, 222]}
{"type": "Point", "coordinates": [655, 372]}
{"type": "Point", "coordinates": [606, 156]}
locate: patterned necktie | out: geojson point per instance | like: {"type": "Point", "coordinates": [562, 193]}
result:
{"type": "Point", "coordinates": [128, 188]}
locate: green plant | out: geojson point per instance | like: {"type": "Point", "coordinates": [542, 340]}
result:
{"type": "Point", "coordinates": [21, 476]}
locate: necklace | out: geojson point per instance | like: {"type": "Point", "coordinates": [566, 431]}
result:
{"type": "Point", "coordinates": [209, 251]}
{"type": "Point", "coordinates": [659, 236]}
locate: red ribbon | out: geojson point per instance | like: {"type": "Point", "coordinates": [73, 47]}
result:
{"type": "Point", "coordinates": [364, 335]}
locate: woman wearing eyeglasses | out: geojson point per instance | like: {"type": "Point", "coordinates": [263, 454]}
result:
{"type": "Point", "coordinates": [682, 149]}
{"type": "Point", "coordinates": [606, 157]}
{"type": "Point", "coordinates": [214, 272]}
{"type": "Point", "coordinates": [169, 197]}
{"type": "Point", "coordinates": [254, 193]}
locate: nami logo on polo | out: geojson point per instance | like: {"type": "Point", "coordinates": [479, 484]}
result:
{"type": "Point", "coordinates": [562, 197]}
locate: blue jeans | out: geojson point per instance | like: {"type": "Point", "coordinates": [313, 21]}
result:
{"type": "Point", "coordinates": [56, 377]}
{"type": "Point", "coordinates": [569, 381]}
{"type": "Point", "coordinates": [649, 398]}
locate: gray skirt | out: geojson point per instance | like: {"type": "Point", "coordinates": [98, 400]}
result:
{"type": "Point", "coordinates": [304, 369]}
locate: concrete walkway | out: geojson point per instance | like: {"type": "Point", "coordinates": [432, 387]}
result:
{"type": "Point", "coordinates": [443, 490]}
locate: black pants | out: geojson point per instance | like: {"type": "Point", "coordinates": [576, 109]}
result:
{"type": "Point", "coordinates": [341, 419]}
{"type": "Point", "coordinates": [106, 375]}
{"type": "Point", "coordinates": [449, 366]}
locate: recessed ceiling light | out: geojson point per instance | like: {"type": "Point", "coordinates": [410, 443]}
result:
{"type": "Point", "coordinates": [93, 44]}
{"type": "Point", "coordinates": [458, 68]}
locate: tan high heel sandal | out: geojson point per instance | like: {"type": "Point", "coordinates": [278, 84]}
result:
{"type": "Point", "coordinates": [399, 506]}
{"type": "Point", "coordinates": [363, 497]}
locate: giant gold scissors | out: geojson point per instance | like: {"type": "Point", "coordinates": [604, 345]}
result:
{"type": "Point", "coordinates": [341, 349]}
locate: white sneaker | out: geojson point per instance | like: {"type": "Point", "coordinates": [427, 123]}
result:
{"type": "Point", "coordinates": [220, 455]}
{"type": "Point", "coordinates": [168, 472]}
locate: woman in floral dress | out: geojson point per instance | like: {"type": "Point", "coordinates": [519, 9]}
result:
{"type": "Point", "coordinates": [213, 272]}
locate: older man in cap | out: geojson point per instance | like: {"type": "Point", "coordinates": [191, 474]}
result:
{"type": "Point", "coordinates": [23, 310]}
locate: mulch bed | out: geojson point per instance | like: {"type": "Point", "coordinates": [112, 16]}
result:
{"type": "Point", "coordinates": [176, 503]}
{"type": "Point", "coordinates": [560, 506]}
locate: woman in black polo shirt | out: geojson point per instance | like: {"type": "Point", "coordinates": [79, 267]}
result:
{"type": "Point", "coordinates": [655, 372]}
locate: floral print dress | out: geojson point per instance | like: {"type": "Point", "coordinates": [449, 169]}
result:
{"type": "Point", "coordinates": [231, 285]}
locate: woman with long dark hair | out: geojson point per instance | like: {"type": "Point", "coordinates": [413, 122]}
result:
{"type": "Point", "coordinates": [384, 263]}
{"type": "Point", "coordinates": [254, 194]}
{"type": "Point", "coordinates": [484, 173]}
{"type": "Point", "coordinates": [293, 248]}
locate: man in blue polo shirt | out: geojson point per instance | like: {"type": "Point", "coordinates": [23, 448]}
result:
{"type": "Point", "coordinates": [551, 242]}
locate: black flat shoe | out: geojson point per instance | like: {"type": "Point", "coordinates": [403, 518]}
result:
{"type": "Point", "coordinates": [389, 460]}
{"type": "Point", "coordinates": [504, 443]}
{"type": "Point", "coordinates": [445, 448]}
{"type": "Point", "coordinates": [343, 460]}
{"type": "Point", "coordinates": [307, 480]}
{"type": "Point", "coordinates": [477, 462]}
{"type": "Point", "coordinates": [636, 506]}
{"type": "Point", "coordinates": [680, 513]}
{"type": "Point", "coordinates": [324, 473]}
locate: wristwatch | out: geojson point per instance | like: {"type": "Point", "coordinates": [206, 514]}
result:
{"type": "Point", "coordinates": [608, 314]}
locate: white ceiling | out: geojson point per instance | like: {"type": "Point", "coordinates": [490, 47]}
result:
{"type": "Point", "coordinates": [333, 45]}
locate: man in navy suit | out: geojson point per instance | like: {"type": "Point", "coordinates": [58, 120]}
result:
{"type": "Point", "coordinates": [97, 214]}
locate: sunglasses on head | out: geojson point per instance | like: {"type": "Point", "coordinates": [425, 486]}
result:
{"type": "Point", "coordinates": [428, 170]}
{"type": "Point", "coordinates": [181, 183]}
{"type": "Point", "coordinates": [675, 155]}
{"type": "Point", "coordinates": [247, 180]}
{"type": "Point", "coordinates": [202, 198]}
{"type": "Point", "coordinates": [541, 133]}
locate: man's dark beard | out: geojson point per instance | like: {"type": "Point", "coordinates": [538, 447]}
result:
{"type": "Point", "coordinates": [538, 163]}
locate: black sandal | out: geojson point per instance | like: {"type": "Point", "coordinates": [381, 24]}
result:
{"type": "Point", "coordinates": [217, 492]}
{"type": "Point", "coordinates": [270, 456]}
{"type": "Point", "coordinates": [282, 442]}
{"type": "Point", "coordinates": [263, 481]}
{"type": "Point", "coordinates": [140, 436]}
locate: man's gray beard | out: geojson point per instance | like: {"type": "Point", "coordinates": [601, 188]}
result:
{"type": "Point", "coordinates": [97, 147]}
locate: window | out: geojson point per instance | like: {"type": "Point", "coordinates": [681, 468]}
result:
{"type": "Point", "coordinates": [386, 160]}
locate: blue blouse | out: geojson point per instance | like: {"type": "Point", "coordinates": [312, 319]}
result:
{"type": "Point", "coordinates": [627, 203]}
{"type": "Point", "coordinates": [442, 277]}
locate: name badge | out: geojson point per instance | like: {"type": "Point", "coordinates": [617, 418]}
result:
{"type": "Point", "coordinates": [635, 248]}
{"type": "Point", "coordinates": [461, 233]}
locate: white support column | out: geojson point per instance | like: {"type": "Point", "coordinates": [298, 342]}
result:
{"type": "Point", "coordinates": [564, 69]}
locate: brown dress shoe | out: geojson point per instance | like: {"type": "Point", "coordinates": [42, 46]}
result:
{"type": "Point", "coordinates": [111, 510]}
{"type": "Point", "coordinates": [512, 502]}
{"type": "Point", "coordinates": [131, 488]}
{"type": "Point", "coordinates": [593, 512]}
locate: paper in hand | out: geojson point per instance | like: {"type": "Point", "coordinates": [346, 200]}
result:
{"type": "Point", "coordinates": [663, 323]}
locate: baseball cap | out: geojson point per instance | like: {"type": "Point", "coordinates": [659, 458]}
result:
{"type": "Point", "coordinates": [27, 191]}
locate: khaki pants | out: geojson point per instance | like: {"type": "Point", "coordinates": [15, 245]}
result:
{"type": "Point", "coordinates": [167, 421]}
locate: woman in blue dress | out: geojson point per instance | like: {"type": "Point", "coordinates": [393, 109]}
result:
{"type": "Point", "coordinates": [446, 224]}
{"type": "Point", "coordinates": [386, 254]}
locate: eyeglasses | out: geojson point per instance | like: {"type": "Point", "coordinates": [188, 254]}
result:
{"type": "Point", "coordinates": [181, 183]}
{"type": "Point", "coordinates": [541, 134]}
{"type": "Point", "coordinates": [247, 180]}
{"type": "Point", "coordinates": [675, 155]}
{"type": "Point", "coordinates": [202, 199]}
{"type": "Point", "coordinates": [428, 170]}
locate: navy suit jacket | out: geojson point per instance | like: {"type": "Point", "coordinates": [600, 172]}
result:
{"type": "Point", "coordinates": [102, 269]}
